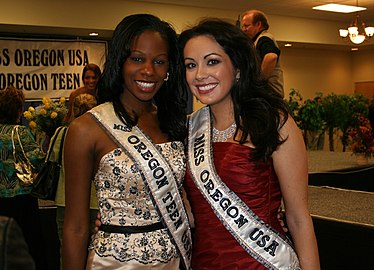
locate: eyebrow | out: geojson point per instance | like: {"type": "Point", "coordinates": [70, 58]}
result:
{"type": "Point", "coordinates": [141, 52]}
{"type": "Point", "coordinates": [205, 57]}
{"type": "Point", "coordinates": [212, 54]}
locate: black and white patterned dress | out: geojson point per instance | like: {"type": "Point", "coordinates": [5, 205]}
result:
{"type": "Point", "coordinates": [124, 200]}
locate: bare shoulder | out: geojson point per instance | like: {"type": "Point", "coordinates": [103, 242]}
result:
{"type": "Point", "coordinates": [293, 146]}
{"type": "Point", "coordinates": [86, 133]}
{"type": "Point", "coordinates": [292, 150]}
{"type": "Point", "coordinates": [83, 125]}
{"type": "Point", "coordinates": [83, 132]}
{"type": "Point", "coordinates": [289, 128]}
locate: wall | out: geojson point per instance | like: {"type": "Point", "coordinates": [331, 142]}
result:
{"type": "Point", "coordinates": [98, 14]}
{"type": "Point", "coordinates": [327, 71]}
{"type": "Point", "coordinates": [308, 70]}
{"type": "Point", "coordinates": [363, 66]}
{"type": "Point", "coordinates": [311, 71]}
{"type": "Point", "coordinates": [105, 15]}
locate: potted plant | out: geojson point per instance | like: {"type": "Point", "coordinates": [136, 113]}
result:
{"type": "Point", "coordinates": [353, 105]}
{"type": "Point", "coordinates": [340, 111]}
{"type": "Point", "coordinates": [309, 116]}
{"type": "Point", "coordinates": [333, 108]}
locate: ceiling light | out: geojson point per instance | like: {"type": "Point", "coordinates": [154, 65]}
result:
{"type": "Point", "coordinates": [357, 31]}
{"type": "Point", "coordinates": [93, 34]}
{"type": "Point", "coordinates": [339, 8]}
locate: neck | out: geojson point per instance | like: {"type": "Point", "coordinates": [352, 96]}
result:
{"type": "Point", "coordinates": [259, 33]}
{"type": "Point", "coordinates": [223, 115]}
{"type": "Point", "coordinates": [139, 108]}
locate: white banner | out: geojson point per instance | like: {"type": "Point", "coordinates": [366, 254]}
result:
{"type": "Point", "coordinates": [47, 68]}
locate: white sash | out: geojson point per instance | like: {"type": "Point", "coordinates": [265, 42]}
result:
{"type": "Point", "coordinates": [257, 238]}
{"type": "Point", "coordinates": [156, 174]}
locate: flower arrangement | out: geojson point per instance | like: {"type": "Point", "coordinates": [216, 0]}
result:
{"type": "Point", "coordinates": [361, 139]}
{"type": "Point", "coordinates": [46, 117]}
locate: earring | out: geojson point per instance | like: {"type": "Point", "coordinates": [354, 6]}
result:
{"type": "Point", "coordinates": [167, 77]}
{"type": "Point", "coordinates": [237, 77]}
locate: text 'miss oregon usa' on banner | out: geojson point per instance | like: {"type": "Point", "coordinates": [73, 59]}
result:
{"type": "Point", "coordinates": [47, 68]}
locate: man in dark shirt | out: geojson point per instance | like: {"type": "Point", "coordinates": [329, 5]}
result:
{"type": "Point", "coordinates": [255, 25]}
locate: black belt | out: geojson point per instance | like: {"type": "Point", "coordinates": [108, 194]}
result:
{"type": "Point", "coordinates": [131, 229]}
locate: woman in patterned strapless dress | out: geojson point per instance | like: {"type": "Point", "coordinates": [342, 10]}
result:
{"type": "Point", "coordinates": [140, 92]}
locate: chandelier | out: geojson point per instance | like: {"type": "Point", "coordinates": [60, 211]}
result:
{"type": "Point", "coordinates": [357, 31]}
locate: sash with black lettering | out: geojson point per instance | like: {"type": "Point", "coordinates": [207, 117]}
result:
{"type": "Point", "coordinates": [156, 174]}
{"type": "Point", "coordinates": [257, 238]}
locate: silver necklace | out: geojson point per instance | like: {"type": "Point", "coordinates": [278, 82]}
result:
{"type": "Point", "coordinates": [222, 136]}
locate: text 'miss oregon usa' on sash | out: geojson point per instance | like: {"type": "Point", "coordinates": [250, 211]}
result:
{"type": "Point", "coordinates": [261, 241]}
{"type": "Point", "coordinates": [157, 176]}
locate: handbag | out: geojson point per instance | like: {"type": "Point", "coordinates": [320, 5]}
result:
{"type": "Point", "coordinates": [45, 184]}
{"type": "Point", "coordinates": [24, 169]}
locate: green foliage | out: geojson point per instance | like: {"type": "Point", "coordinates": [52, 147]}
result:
{"type": "Point", "coordinates": [294, 103]}
{"type": "Point", "coordinates": [354, 105]}
{"type": "Point", "coordinates": [309, 116]}
{"type": "Point", "coordinates": [333, 108]}
{"type": "Point", "coordinates": [312, 114]}
{"type": "Point", "coordinates": [332, 112]}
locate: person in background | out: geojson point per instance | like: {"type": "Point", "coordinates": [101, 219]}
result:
{"type": "Point", "coordinates": [15, 198]}
{"type": "Point", "coordinates": [255, 25]}
{"type": "Point", "coordinates": [245, 154]}
{"type": "Point", "coordinates": [82, 103]}
{"type": "Point", "coordinates": [132, 146]}
{"type": "Point", "coordinates": [90, 76]}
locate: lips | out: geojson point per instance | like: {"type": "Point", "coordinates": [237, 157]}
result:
{"type": "Point", "coordinates": [91, 86]}
{"type": "Point", "coordinates": [146, 86]}
{"type": "Point", "coordinates": [206, 88]}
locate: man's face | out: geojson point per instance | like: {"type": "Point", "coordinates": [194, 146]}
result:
{"type": "Point", "coordinates": [250, 28]}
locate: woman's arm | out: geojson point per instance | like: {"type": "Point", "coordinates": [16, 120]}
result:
{"type": "Point", "coordinates": [79, 164]}
{"type": "Point", "coordinates": [291, 166]}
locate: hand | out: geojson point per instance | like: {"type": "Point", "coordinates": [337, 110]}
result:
{"type": "Point", "coordinates": [97, 222]}
{"type": "Point", "coordinates": [282, 219]}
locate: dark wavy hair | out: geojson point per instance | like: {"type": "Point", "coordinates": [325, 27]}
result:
{"type": "Point", "coordinates": [258, 111]}
{"type": "Point", "coordinates": [171, 99]}
{"type": "Point", "coordinates": [11, 105]}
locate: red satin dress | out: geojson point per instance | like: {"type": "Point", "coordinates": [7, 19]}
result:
{"type": "Point", "coordinates": [256, 184]}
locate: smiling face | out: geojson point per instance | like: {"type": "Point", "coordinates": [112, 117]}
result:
{"type": "Point", "coordinates": [90, 80]}
{"type": "Point", "coordinates": [210, 73]}
{"type": "Point", "coordinates": [145, 69]}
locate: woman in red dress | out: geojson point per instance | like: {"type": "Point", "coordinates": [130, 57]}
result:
{"type": "Point", "coordinates": [245, 154]}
